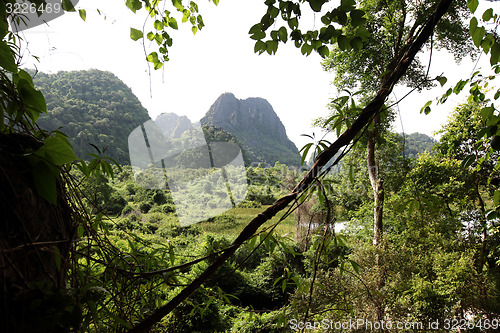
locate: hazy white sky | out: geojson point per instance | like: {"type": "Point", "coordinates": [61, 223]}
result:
{"type": "Point", "coordinates": [218, 59]}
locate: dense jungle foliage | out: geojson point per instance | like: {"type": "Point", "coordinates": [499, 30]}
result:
{"type": "Point", "coordinates": [391, 240]}
{"type": "Point", "coordinates": [431, 259]}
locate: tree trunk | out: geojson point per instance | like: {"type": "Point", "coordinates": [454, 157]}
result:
{"type": "Point", "coordinates": [376, 181]}
{"type": "Point", "coordinates": [35, 244]}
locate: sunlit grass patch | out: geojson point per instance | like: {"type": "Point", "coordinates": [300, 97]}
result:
{"type": "Point", "coordinates": [232, 222]}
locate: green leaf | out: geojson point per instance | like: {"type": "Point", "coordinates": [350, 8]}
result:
{"type": "Point", "coordinates": [347, 3]}
{"type": "Point", "coordinates": [258, 35]}
{"type": "Point", "coordinates": [495, 54]}
{"type": "Point", "coordinates": [293, 23]}
{"type": "Point", "coordinates": [83, 14]}
{"type": "Point", "coordinates": [173, 23]}
{"type": "Point", "coordinates": [134, 5]}
{"type": "Point", "coordinates": [135, 34]}
{"type": "Point", "coordinates": [343, 42]}
{"type": "Point", "coordinates": [351, 173]}
{"type": "Point", "coordinates": [271, 46]}
{"type": "Point", "coordinates": [178, 4]}
{"type": "Point", "coordinates": [82, 166]}
{"type": "Point", "coordinates": [44, 179]}
{"type": "Point", "coordinates": [283, 34]}
{"type": "Point", "coordinates": [355, 266]}
{"type": "Point", "coordinates": [158, 25]}
{"type": "Point", "coordinates": [193, 6]}
{"type": "Point", "coordinates": [341, 17]}
{"type": "Point", "coordinates": [30, 96]}
{"type": "Point", "coordinates": [488, 14]}
{"type": "Point", "coordinates": [487, 112]}
{"type": "Point", "coordinates": [316, 5]}
{"type": "Point", "coordinates": [255, 28]}
{"type": "Point", "coordinates": [323, 51]}
{"type": "Point", "coordinates": [150, 35]}
{"type": "Point", "coordinates": [467, 162]}
{"type": "Point", "coordinates": [357, 18]}
{"type": "Point", "coordinates": [194, 30]}
{"type": "Point", "coordinates": [7, 58]}
{"type": "Point", "coordinates": [362, 33]}
{"type": "Point", "coordinates": [57, 150]}
{"type": "Point", "coordinates": [477, 36]}
{"type": "Point", "coordinates": [473, 25]}
{"type": "Point", "coordinates": [426, 108]}
{"type": "Point", "coordinates": [356, 43]}
{"type": "Point", "coordinates": [304, 154]}
{"type": "Point", "coordinates": [472, 4]}
{"type": "Point", "coordinates": [22, 74]}
{"type": "Point", "coordinates": [260, 47]}
{"type": "Point", "coordinates": [274, 35]}
{"type": "Point", "coordinates": [266, 21]}
{"type": "Point", "coordinates": [497, 94]}
{"type": "Point", "coordinates": [496, 198]}
{"type": "Point", "coordinates": [326, 20]}
{"type": "Point", "coordinates": [487, 43]}
{"type": "Point", "coordinates": [306, 49]}
{"type": "Point", "coordinates": [442, 80]}
{"type": "Point", "coordinates": [491, 215]}
{"type": "Point", "coordinates": [68, 6]}
{"type": "Point", "coordinates": [185, 15]}
{"type": "Point", "coordinates": [459, 86]}
{"type": "Point", "coordinates": [216, 2]}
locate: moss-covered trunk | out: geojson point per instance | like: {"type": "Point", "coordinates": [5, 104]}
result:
{"type": "Point", "coordinates": [35, 243]}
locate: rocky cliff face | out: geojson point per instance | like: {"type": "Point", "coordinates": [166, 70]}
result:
{"type": "Point", "coordinates": [255, 124]}
{"type": "Point", "coordinates": [172, 124]}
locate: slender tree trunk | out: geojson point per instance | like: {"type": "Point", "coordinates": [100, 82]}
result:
{"type": "Point", "coordinates": [482, 258]}
{"type": "Point", "coordinates": [376, 181]}
{"type": "Point", "coordinates": [378, 197]}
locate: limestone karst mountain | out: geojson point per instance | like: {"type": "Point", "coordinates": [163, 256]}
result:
{"type": "Point", "coordinates": [255, 124]}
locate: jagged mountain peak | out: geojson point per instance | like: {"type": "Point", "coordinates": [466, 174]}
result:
{"type": "Point", "coordinates": [256, 125]}
{"type": "Point", "coordinates": [172, 124]}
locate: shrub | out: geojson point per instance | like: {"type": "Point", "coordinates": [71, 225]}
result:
{"type": "Point", "coordinates": [249, 204]}
{"type": "Point", "coordinates": [197, 314]}
{"type": "Point", "coordinates": [115, 204]}
{"type": "Point", "coordinates": [259, 323]}
{"type": "Point", "coordinates": [155, 218]}
{"type": "Point", "coordinates": [168, 208]}
{"type": "Point", "coordinates": [144, 207]}
{"type": "Point", "coordinates": [159, 197]}
{"type": "Point", "coordinates": [127, 209]}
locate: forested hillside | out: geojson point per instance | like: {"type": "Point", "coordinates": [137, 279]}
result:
{"type": "Point", "coordinates": [96, 107]}
{"type": "Point", "coordinates": [91, 107]}
{"type": "Point", "coordinates": [418, 143]}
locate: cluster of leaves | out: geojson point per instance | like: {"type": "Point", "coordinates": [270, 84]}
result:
{"type": "Point", "coordinates": [390, 25]}
{"type": "Point", "coordinates": [486, 39]}
{"type": "Point", "coordinates": [163, 22]}
{"type": "Point", "coordinates": [318, 40]}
